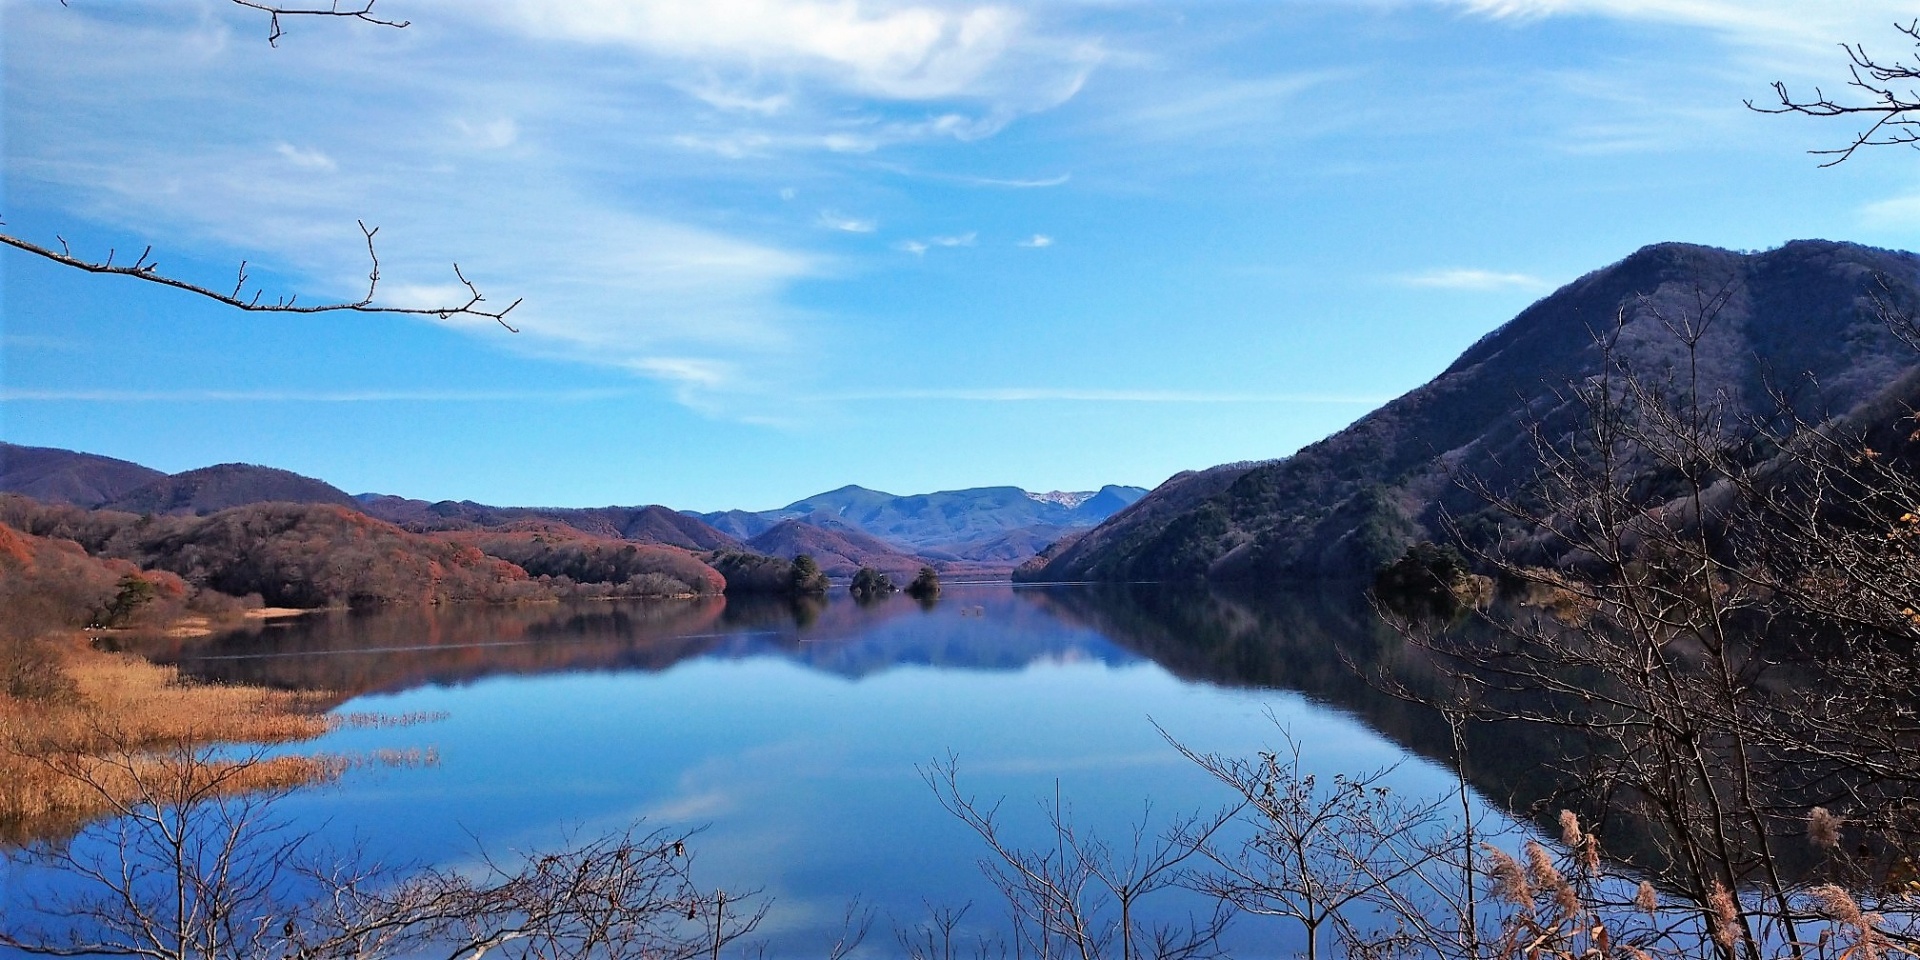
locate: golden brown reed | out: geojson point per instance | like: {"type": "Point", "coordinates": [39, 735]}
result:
{"type": "Point", "coordinates": [69, 759]}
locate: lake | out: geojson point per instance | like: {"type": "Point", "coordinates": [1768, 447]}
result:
{"type": "Point", "coordinates": [796, 735]}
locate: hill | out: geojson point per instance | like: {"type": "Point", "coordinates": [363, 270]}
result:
{"type": "Point", "coordinates": [1800, 318]}
{"type": "Point", "coordinates": [292, 555]}
{"type": "Point", "coordinates": [224, 486]}
{"type": "Point", "coordinates": [567, 556]}
{"type": "Point", "coordinates": [62, 476]}
{"type": "Point", "coordinates": [839, 550]}
{"type": "Point", "coordinates": [649, 524]}
{"type": "Point", "coordinates": [979, 531]}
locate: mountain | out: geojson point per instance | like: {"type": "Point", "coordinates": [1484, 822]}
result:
{"type": "Point", "coordinates": [63, 476]}
{"type": "Point", "coordinates": [975, 524]}
{"type": "Point", "coordinates": [212, 489]}
{"type": "Point", "coordinates": [840, 550]}
{"type": "Point", "coordinates": [1802, 318]}
{"type": "Point", "coordinates": [650, 524]}
{"type": "Point", "coordinates": [980, 531]}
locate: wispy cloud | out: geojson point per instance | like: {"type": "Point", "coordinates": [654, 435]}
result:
{"type": "Point", "coordinates": [1212, 109]}
{"type": "Point", "coordinates": [911, 51]}
{"type": "Point", "coordinates": [834, 220]}
{"type": "Point", "coordinates": [608, 278]}
{"type": "Point", "coordinates": [1077, 395]}
{"type": "Point", "coordinates": [13, 395]}
{"type": "Point", "coordinates": [1036, 241]}
{"type": "Point", "coordinates": [1901, 211]}
{"type": "Point", "coordinates": [1466, 278]}
{"type": "Point", "coordinates": [919, 247]}
{"type": "Point", "coordinates": [1811, 27]}
{"type": "Point", "coordinates": [306, 159]}
{"type": "Point", "coordinates": [1015, 184]}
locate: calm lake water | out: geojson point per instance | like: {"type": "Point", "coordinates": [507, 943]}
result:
{"type": "Point", "coordinates": [795, 735]}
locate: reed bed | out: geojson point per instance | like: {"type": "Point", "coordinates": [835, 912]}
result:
{"type": "Point", "coordinates": [70, 758]}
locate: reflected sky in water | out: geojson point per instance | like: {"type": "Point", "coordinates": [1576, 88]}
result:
{"type": "Point", "coordinates": [795, 736]}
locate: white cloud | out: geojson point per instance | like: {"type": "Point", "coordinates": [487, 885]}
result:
{"type": "Point", "coordinates": [905, 52]}
{"type": "Point", "coordinates": [1902, 211]}
{"type": "Point", "coordinates": [1036, 241]}
{"type": "Point", "coordinates": [1808, 26]}
{"type": "Point", "coordinates": [146, 128]}
{"type": "Point", "coordinates": [1076, 395]}
{"type": "Point", "coordinates": [833, 220]}
{"type": "Point", "coordinates": [735, 101]}
{"type": "Point", "coordinates": [495, 134]}
{"type": "Point", "coordinates": [1213, 108]}
{"type": "Point", "coordinates": [1016, 184]}
{"type": "Point", "coordinates": [306, 159]}
{"type": "Point", "coordinates": [1473, 279]}
{"type": "Point", "coordinates": [920, 247]}
{"type": "Point", "coordinates": [17, 395]}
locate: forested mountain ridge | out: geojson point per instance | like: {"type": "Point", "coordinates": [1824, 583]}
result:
{"type": "Point", "coordinates": [982, 531]}
{"type": "Point", "coordinates": [644, 524]}
{"type": "Point", "coordinates": [1801, 318]}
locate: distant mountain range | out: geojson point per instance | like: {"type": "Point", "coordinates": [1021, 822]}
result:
{"type": "Point", "coordinates": [985, 531]}
{"type": "Point", "coordinates": [1802, 318]}
{"type": "Point", "coordinates": [983, 523]}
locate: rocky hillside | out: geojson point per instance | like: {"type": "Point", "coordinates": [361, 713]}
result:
{"type": "Point", "coordinates": [1801, 318]}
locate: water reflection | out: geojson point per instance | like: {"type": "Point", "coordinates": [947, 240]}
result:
{"type": "Point", "coordinates": [795, 733]}
{"type": "Point", "coordinates": [388, 650]}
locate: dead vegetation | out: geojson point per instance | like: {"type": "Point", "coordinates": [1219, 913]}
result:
{"type": "Point", "coordinates": [77, 736]}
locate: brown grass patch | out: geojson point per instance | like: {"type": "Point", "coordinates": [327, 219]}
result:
{"type": "Point", "coordinates": [67, 759]}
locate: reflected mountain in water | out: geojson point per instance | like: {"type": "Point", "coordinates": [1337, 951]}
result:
{"type": "Point", "coordinates": [349, 653]}
{"type": "Point", "coordinates": [1324, 642]}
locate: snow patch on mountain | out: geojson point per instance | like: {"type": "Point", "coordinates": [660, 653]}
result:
{"type": "Point", "coordinates": [1064, 498]}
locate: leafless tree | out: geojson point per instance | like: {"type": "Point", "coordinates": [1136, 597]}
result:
{"type": "Point", "coordinates": [1889, 102]}
{"type": "Point", "coordinates": [1335, 856]}
{"type": "Point", "coordinates": [195, 865]}
{"type": "Point", "coordinates": [1716, 611]}
{"type": "Point", "coordinates": [1083, 897]}
{"type": "Point", "coordinates": [239, 297]}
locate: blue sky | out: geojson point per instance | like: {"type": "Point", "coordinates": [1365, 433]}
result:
{"type": "Point", "coordinates": [770, 248]}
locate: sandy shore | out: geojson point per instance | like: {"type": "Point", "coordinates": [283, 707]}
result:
{"type": "Point", "coordinates": [275, 613]}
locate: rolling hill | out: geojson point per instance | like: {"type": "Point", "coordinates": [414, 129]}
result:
{"type": "Point", "coordinates": [61, 476]}
{"type": "Point", "coordinates": [223, 486]}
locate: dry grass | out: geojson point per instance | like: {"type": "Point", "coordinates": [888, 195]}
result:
{"type": "Point", "coordinates": [71, 758]}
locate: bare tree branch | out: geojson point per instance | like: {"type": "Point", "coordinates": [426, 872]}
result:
{"type": "Point", "coordinates": [274, 12]}
{"type": "Point", "coordinates": [1892, 102]}
{"type": "Point", "coordinates": [143, 268]}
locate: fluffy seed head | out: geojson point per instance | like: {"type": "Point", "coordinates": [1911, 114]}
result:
{"type": "Point", "coordinates": [1823, 828]}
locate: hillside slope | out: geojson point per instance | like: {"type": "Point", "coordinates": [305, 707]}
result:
{"type": "Point", "coordinates": [52, 475]}
{"type": "Point", "coordinates": [649, 524]}
{"type": "Point", "coordinates": [225, 486]}
{"type": "Point", "coordinates": [1800, 318]}
{"type": "Point", "coordinates": [839, 550]}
